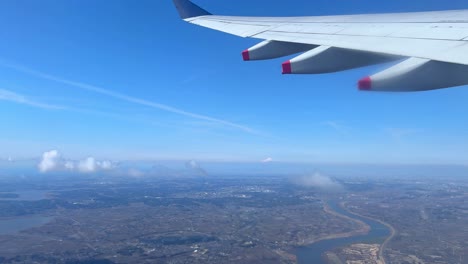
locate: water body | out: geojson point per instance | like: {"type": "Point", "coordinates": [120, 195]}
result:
{"type": "Point", "coordinates": [29, 195]}
{"type": "Point", "coordinates": [312, 254]}
{"type": "Point", "coordinates": [13, 225]}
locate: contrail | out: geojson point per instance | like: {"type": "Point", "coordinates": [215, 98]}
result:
{"type": "Point", "coordinates": [6, 95]}
{"type": "Point", "coordinates": [20, 99]}
{"type": "Point", "coordinates": [127, 98]}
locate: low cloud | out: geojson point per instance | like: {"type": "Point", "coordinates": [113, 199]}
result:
{"type": "Point", "coordinates": [106, 165]}
{"type": "Point", "coordinates": [69, 165]}
{"type": "Point", "coordinates": [87, 165]}
{"type": "Point", "coordinates": [319, 181]}
{"type": "Point", "coordinates": [90, 165]}
{"type": "Point", "coordinates": [267, 160]}
{"type": "Point", "coordinates": [50, 161]}
{"type": "Point", "coordinates": [53, 161]}
{"type": "Point", "coordinates": [194, 166]}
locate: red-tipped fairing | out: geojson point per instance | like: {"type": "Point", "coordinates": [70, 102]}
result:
{"type": "Point", "coordinates": [246, 55]}
{"type": "Point", "coordinates": [287, 67]}
{"type": "Point", "coordinates": [365, 84]}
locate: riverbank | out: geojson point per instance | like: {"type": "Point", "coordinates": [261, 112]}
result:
{"type": "Point", "coordinates": [363, 228]}
{"type": "Point", "coordinates": [386, 241]}
{"type": "Point", "coordinates": [368, 232]}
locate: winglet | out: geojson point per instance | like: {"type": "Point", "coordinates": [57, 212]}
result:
{"type": "Point", "coordinates": [187, 9]}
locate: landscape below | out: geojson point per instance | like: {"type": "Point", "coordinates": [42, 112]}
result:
{"type": "Point", "coordinates": [208, 219]}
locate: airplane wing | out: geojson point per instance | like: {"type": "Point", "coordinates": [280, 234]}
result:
{"type": "Point", "coordinates": [432, 47]}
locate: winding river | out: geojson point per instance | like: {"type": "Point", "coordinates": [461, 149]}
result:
{"type": "Point", "coordinates": [312, 254]}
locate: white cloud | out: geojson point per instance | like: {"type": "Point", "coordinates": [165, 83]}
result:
{"type": "Point", "coordinates": [87, 165]}
{"type": "Point", "coordinates": [69, 165]}
{"type": "Point", "coordinates": [90, 165]}
{"type": "Point", "coordinates": [50, 161]}
{"type": "Point", "coordinates": [320, 181]}
{"type": "Point", "coordinates": [106, 165]}
{"type": "Point", "coordinates": [194, 166]}
{"type": "Point", "coordinates": [267, 160]}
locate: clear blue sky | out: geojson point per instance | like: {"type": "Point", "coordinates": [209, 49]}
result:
{"type": "Point", "coordinates": [222, 108]}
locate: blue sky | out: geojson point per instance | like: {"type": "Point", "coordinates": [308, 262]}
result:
{"type": "Point", "coordinates": [128, 80]}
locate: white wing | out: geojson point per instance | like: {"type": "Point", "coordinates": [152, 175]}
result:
{"type": "Point", "coordinates": [433, 44]}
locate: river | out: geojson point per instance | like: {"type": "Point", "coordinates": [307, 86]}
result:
{"type": "Point", "coordinates": [312, 254]}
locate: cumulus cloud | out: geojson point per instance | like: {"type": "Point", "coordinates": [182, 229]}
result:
{"type": "Point", "coordinates": [87, 165]}
{"type": "Point", "coordinates": [194, 166]}
{"type": "Point", "coordinates": [267, 160]}
{"type": "Point", "coordinates": [319, 181]}
{"type": "Point", "coordinates": [69, 165]}
{"type": "Point", "coordinates": [106, 165]}
{"type": "Point", "coordinates": [90, 165]}
{"type": "Point", "coordinates": [52, 161]}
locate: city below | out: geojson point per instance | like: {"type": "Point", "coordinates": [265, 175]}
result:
{"type": "Point", "coordinates": [255, 219]}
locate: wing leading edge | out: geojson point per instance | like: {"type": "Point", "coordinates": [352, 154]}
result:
{"type": "Point", "coordinates": [433, 46]}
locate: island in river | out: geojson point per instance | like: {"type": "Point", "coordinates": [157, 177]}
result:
{"type": "Point", "coordinates": [371, 234]}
